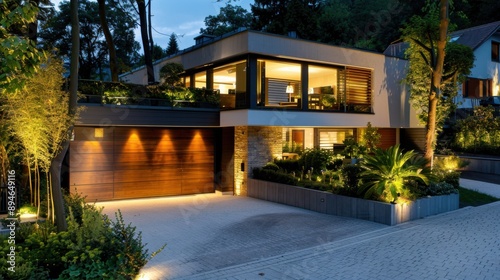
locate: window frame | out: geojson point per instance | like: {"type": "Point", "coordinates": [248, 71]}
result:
{"type": "Point", "coordinates": [495, 46]}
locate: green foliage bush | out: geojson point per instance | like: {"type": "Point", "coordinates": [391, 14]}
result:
{"type": "Point", "coordinates": [317, 159]}
{"type": "Point", "coordinates": [93, 247]}
{"type": "Point", "coordinates": [479, 133]}
{"type": "Point", "coordinates": [315, 185]}
{"type": "Point", "coordinates": [441, 188]}
{"type": "Point", "coordinates": [274, 176]}
{"type": "Point", "coordinates": [271, 166]}
{"type": "Point", "coordinates": [289, 165]}
{"type": "Point", "coordinates": [450, 177]}
{"type": "Point", "coordinates": [351, 177]}
{"type": "Point", "coordinates": [387, 173]}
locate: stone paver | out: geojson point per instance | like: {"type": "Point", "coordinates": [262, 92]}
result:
{"type": "Point", "coordinates": [225, 237]}
{"type": "Point", "coordinates": [208, 232]}
{"type": "Point", "coordinates": [463, 244]}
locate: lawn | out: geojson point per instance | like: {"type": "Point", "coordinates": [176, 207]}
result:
{"type": "Point", "coordinates": [474, 198]}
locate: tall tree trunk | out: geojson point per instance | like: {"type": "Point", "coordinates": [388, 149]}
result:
{"type": "Point", "coordinates": [150, 30]}
{"type": "Point", "coordinates": [56, 164]}
{"type": "Point", "coordinates": [145, 41]}
{"type": "Point", "coordinates": [113, 65]}
{"type": "Point", "coordinates": [437, 74]}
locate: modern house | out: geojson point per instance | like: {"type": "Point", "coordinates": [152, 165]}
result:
{"type": "Point", "coordinates": [274, 91]}
{"type": "Point", "coordinates": [484, 79]}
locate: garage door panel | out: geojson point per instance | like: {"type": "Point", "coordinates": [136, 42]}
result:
{"type": "Point", "coordinates": [147, 189]}
{"type": "Point", "coordinates": [145, 175]}
{"type": "Point", "coordinates": [100, 192]}
{"type": "Point", "coordinates": [91, 178]}
{"type": "Point", "coordinates": [191, 186]}
{"type": "Point", "coordinates": [142, 162]}
{"type": "Point", "coordinates": [92, 147]}
{"type": "Point", "coordinates": [92, 162]}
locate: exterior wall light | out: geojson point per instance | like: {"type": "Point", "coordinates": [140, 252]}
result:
{"type": "Point", "coordinates": [99, 132]}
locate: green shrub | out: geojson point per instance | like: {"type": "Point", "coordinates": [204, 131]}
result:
{"type": "Point", "coordinates": [289, 165]}
{"type": "Point", "coordinates": [387, 172]}
{"type": "Point", "coordinates": [317, 159]}
{"type": "Point", "coordinates": [315, 185]}
{"type": "Point", "coordinates": [93, 247]}
{"type": "Point", "coordinates": [274, 176]}
{"type": "Point", "coordinates": [351, 177]}
{"type": "Point", "coordinates": [271, 166]}
{"type": "Point", "coordinates": [450, 177]}
{"type": "Point", "coordinates": [441, 188]}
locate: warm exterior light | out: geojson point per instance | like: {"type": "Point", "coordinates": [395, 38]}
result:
{"type": "Point", "coordinates": [98, 132]}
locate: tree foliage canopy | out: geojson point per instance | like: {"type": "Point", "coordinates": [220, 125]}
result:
{"type": "Point", "coordinates": [421, 33]}
{"type": "Point", "coordinates": [229, 18]}
{"type": "Point", "coordinates": [56, 33]}
{"type": "Point", "coordinates": [19, 57]}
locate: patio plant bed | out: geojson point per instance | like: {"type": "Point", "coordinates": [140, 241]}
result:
{"type": "Point", "coordinates": [333, 204]}
{"type": "Point", "coordinates": [387, 186]}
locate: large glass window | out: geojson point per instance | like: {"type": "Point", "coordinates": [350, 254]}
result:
{"type": "Point", "coordinates": [230, 81]}
{"type": "Point", "coordinates": [278, 84]}
{"type": "Point", "coordinates": [333, 139]}
{"type": "Point", "coordinates": [324, 91]}
{"type": "Point", "coordinates": [200, 80]}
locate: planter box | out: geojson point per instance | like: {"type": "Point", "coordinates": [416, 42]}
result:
{"type": "Point", "coordinates": [332, 204]}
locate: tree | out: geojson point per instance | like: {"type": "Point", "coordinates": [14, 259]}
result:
{"type": "Point", "coordinates": [141, 6]}
{"type": "Point", "coordinates": [173, 47]}
{"type": "Point", "coordinates": [38, 118]}
{"type": "Point", "coordinates": [229, 19]}
{"type": "Point", "coordinates": [301, 18]}
{"type": "Point", "coordinates": [429, 76]}
{"type": "Point", "coordinates": [55, 34]}
{"type": "Point", "coordinates": [157, 53]}
{"type": "Point", "coordinates": [269, 15]}
{"type": "Point", "coordinates": [113, 64]}
{"type": "Point", "coordinates": [170, 73]}
{"type": "Point", "coordinates": [19, 57]}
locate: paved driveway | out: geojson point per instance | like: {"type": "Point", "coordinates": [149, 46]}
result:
{"type": "Point", "coordinates": [208, 232]}
{"type": "Point", "coordinates": [225, 237]}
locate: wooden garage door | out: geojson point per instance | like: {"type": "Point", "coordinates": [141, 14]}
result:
{"type": "Point", "coordinates": [141, 162]}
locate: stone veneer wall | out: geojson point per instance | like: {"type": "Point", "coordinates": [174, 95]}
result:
{"type": "Point", "coordinates": [254, 146]}
{"type": "Point", "coordinates": [240, 156]}
{"type": "Point", "coordinates": [264, 144]}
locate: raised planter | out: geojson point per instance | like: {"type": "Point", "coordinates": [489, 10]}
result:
{"type": "Point", "coordinates": [332, 204]}
{"type": "Point", "coordinates": [482, 164]}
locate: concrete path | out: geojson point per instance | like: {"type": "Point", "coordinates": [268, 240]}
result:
{"type": "Point", "coordinates": [482, 187]}
{"type": "Point", "coordinates": [226, 237]}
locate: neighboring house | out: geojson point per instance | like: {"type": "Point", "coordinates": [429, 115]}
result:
{"type": "Point", "coordinates": [274, 91]}
{"type": "Point", "coordinates": [484, 79]}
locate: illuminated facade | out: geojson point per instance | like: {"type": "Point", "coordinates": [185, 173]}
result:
{"type": "Point", "coordinates": [276, 94]}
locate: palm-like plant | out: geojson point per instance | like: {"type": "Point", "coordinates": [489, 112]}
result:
{"type": "Point", "coordinates": [387, 171]}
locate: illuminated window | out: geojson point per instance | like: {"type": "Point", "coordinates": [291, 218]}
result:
{"type": "Point", "coordinates": [200, 80]}
{"type": "Point", "coordinates": [230, 81]}
{"type": "Point", "coordinates": [278, 83]}
{"type": "Point", "coordinates": [323, 92]}
{"type": "Point", "coordinates": [333, 139]}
